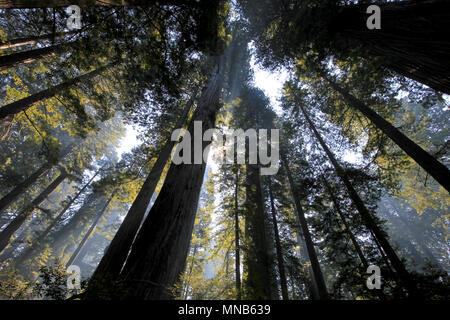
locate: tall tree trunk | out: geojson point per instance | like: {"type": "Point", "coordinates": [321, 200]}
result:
{"type": "Point", "coordinates": [25, 103]}
{"type": "Point", "coordinates": [317, 272]}
{"type": "Point", "coordinates": [367, 217]}
{"type": "Point", "coordinates": [114, 259]}
{"type": "Point", "coordinates": [159, 252]}
{"type": "Point", "coordinates": [432, 166]}
{"type": "Point", "coordinates": [24, 185]}
{"type": "Point", "coordinates": [258, 263]}
{"type": "Point", "coordinates": [414, 39]}
{"type": "Point", "coordinates": [90, 230]}
{"type": "Point", "coordinates": [14, 225]}
{"type": "Point", "coordinates": [283, 282]}
{"type": "Point", "coordinates": [38, 242]}
{"type": "Point", "coordinates": [20, 58]}
{"type": "Point", "coordinates": [18, 42]}
{"type": "Point", "coordinates": [237, 240]}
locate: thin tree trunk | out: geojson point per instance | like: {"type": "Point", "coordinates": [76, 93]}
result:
{"type": "Point", "coordinates": [115, 256]}
{"type": "Point", "coordinates": [367, 217]}
{"type": "Point", "coordinates": [14, 225]}
{"type": "Point", "coordinates": [317, 272]}
{"type": "Point", "coordinates": [237, 240]}
{"type": "Point", "coordinates": [24, 185]}
{"type": "Point", "coordinates": [283, 282]}
{"type": "Point", "coordinates": [432, 166]}
{"type": "Point", "coordinates": [25, 103]}
{"type": "Point", "coordinates": [36, 243]}
{"type": "Point", "coordinates": [90, 230]}
{"type": "Point", "coordinates": [159, 252]}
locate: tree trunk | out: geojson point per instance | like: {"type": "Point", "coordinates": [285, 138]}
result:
{"type": "Point", "coordinates": [37, 242]}
{"type": "Point", "coordinates": [25, 103]}
{"type": "Point", "coordinates": [17, 42]}
{"type": "Point", "coordinates": [159, 252]}
{"type": "Point", "coordinates": [283, 282]}
{"type": "Point", "coordinates": [317, 272]}
{"type": "Point", "coordinates": [24, 185]}
{"type": "Point", "coordinates": [414, 39]}
{"type": "Point", "coordinates": [24, 57]}
{"type": "Point", "coordinates": [14, 225]}
{"type": "Point", "coordinates": [367, 217]}
{"type": "Point", "coordinates": [90, 230]}
{"type": "Point", "coordinates": [237, 240]}
{"type": "Point", "coordinates": [432, 166]}
{"type": "Point", "coordinates": [258, 262]}
{"type": "Point", "coordinates": [114, 259]}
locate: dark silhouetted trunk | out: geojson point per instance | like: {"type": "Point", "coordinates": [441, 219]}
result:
{"type": "Point", "coordinates": [317, 272]}
{"type": "Point", "coordinates": [379, 234]}
{"type": "Point", "coordinates": [258, 282]}
{"type": "Point", "coordinates": [237, 240]}
{"type": "Point", "coordinates": [159, 252]}
{"type": "Point", "coordinates": [414, 39]}
{"type": "Point", "coordinates": [24, 185]}
{"type": "Point", "coordinates": [281, 270]}
{"type": "Point", "coordinates": [13, 43]}
{"type": "Point", "coordinates": [90, 230]}
{"type": "Point", "coordinates": [432, 166]}
{"type": "Point", "coordinates": [25, 103]}
{"type": "Point", "coordinates": [114, 259]}
{"type": "Point", "coordinates": [17, 222]}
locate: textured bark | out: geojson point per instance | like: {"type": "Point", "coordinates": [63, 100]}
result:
{"type": "Point", "coordinates": [25, 103]}
{"type": "Point", "coordinates": [414, 39]}
{"type": "Point", "coordinates": [317, 272]}
{"type": "Point", "coordinates": [159, 252]}
{"type": "Point", "coordinates": [432, 166]}
{"type": "Point", "coordinates": [17, 222]}
{"type": "Point", "coordinates": [89, 232]}
{"type": "Point", "coordinates": [281, 270]}
{"type": "Point", "coordinates": [112, 262]}
{"type": "Point", "coordinates": [258, 264]}
{"type": "Point", "coordinates": [38, 242]}
{"type": "Point", "coordinates": [24, 185]}
{"type": "Point", "coordinates": [24, 57]}
{"type": "Point", "coordinates": [379, 234]}
{"type": "Point", "coordinates": [237, 240]}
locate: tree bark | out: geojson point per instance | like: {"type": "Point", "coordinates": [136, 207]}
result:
{"type": "Point", "coordinates": [114, 259]}
{"type": "Point", "coordinates": [281, 270]}
{"type": "Point", "coordinates": [14, 225]}
{"type": "Point", "coordinates": [25, 103]}
{"type": "Point", "coordinates": [432, 166]}
{"type": "Point", "coordinates": [317, 272]}
{"type": "Point", "coordinates": [159, 252]}
{"type": "Point", "coordinates": [367, 217]}
{"type": "Point", "coordinates": [258, 263]}
{"type": "Point", "coordinates": [237, 240]}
